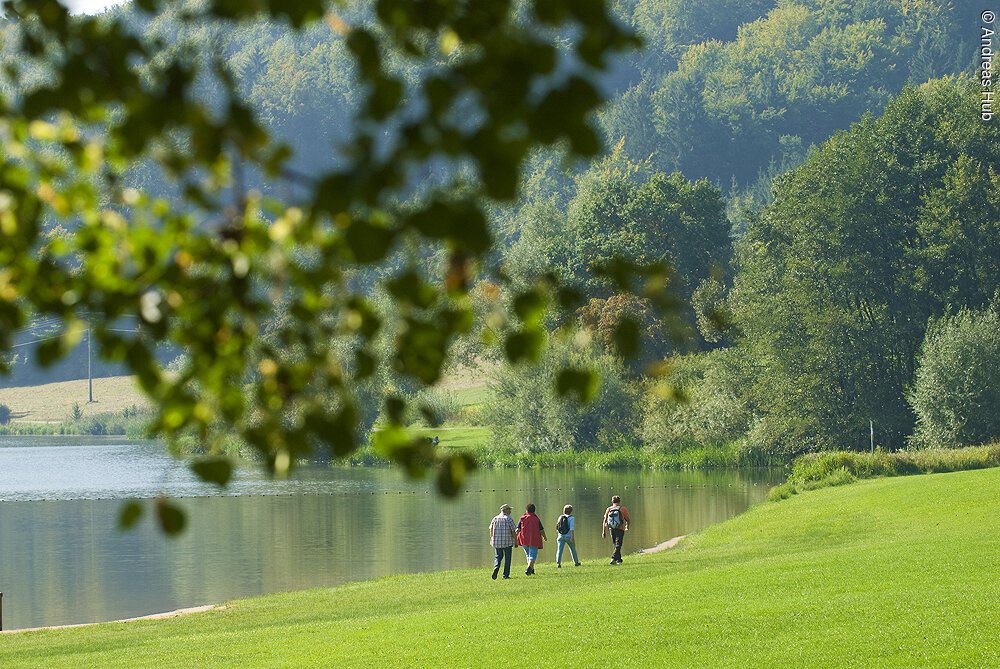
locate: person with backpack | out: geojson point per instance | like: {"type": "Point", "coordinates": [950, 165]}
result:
{"type": "Point", "coordinates": [566, 529]}
{"type": "Point", "coordinates": [502, 540]}
{"type": "Point", "coordinates": [616, 519]}
{"type": "Point", "coordinates": [530, 535]}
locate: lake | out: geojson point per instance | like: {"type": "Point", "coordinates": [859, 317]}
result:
{"type": "Point", "coordinates": [63, 560]}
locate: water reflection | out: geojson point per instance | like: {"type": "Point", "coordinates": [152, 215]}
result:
{"type": "Point", "coordinates": [63, 561]}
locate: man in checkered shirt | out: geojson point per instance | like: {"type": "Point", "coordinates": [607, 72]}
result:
{"type": "Point", "coordinates": [502, 540]}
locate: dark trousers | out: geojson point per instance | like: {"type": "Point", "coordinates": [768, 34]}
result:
{"type": "Point", "coordinates": [503, 554]}
{"type": "Point", "coordinates": [617, 537]}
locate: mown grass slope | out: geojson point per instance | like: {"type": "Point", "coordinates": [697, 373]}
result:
{"type": "Point", "coordinates": [882, 573]}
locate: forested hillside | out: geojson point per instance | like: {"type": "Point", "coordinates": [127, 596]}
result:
{"type": "Point", "coordinates": [729, 88]}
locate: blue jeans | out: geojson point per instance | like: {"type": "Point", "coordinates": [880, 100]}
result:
{"type": "Point", "coordinates": [503, 554]}
{"type": "Point", "coordinates": [561, 542]}
{"type": "Point", "coordinates": [530, 552]}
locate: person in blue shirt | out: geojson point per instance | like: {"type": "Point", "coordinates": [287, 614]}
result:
{"type": "Point", "coordinates": [568, 523]}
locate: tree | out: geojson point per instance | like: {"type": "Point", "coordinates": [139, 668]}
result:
{"type": "Point", "coordinates": [675, 25]}
{"type": "Point", "coordinates": [604, 319]}
{"type": "Point", "coordinates": [837, 279]}
{"type": "Point", "coordinates": [208, 272]}
{"type": "Point", "coordinates": [955, 395]}
{"type": "Point", "coordinates": [622, 212]}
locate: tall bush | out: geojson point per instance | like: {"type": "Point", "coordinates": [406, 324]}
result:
{"type": "Point", "coordinates": [528, 413]}
{"type": "Point", "coordinates": [431, 407]}
{"type": "Point", "coordinates": [708, 404]}
{"type": "Point", "coordinates": [956, 396]}
{"type": "Point", "coordinates": [4, 414]}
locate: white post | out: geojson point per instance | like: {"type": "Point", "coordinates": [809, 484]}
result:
{"type": "Point", "coordinates": [871, 426]}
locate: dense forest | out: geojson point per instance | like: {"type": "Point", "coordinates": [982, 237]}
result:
{"type": "Point", "coordinates": [813, 171]}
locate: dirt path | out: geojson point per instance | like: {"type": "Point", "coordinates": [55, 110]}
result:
{"type": "Point", "coordinates": [666, 545]}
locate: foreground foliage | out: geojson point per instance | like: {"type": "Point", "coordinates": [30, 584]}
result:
{"type": "Point", "coordinates": [460, 92]}
{"type": "Point", "coordinates": [871, 575]}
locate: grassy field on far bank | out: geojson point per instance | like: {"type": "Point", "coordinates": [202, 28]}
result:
{"type": "Point", "coordinates": [881, 573]}
{"type": "Point", "coordinates": [53, 402]}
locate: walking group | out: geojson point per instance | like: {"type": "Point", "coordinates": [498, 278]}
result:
{"type": "Point", "coordinates": [529, 534]}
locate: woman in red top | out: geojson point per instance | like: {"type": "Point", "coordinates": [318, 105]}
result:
{"type": "Point", "coordinates": [530, 535]}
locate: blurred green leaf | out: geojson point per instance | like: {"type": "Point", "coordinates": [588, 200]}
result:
{"type": "Point", "coordinates": [171, 518]}
{"type": "Point", "coordinates": [461, 222]}
{"type": "Point", "coordinates": [395, 409]}
{"type": "Point", "coordinates": [453, 473]}
{"type": "Point", "coordinates": [49, 352]}
{"type": "Point", "coordinates": [130, 514]}
{"type": "Point", "coordinates": [410, 288]}
{"type": "Point", "coordinates": [530, 306]}
{"type": "Point", "coordinates": [365, 364]}
{"type": "Point", "coordinates": [362, 317]}
{"type": "Point", "coordinates": [627, 337]}
{"type": "Point", "coordinates": [213, 470]}
{"type": "Point", "coordinates": [578, 382]}
{"type": "Point", "coordinates": [524, 346]}
{"type": "Point", "coordinates": [430, 416]}
{"type": "Point", "coordinates": [421, 350]}
{"type": "Point", "coordinates": [385, 97]}
{"type": "Point", "coordinates": [368, 243]}
{"type": "Point", "coordinates": [339, 432]}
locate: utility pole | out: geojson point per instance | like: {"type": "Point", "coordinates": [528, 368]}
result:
{"type": "Point", "coordinates": [90, 375]}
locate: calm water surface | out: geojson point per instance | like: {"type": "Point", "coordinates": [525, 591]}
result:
{"type": "Point", "coordinates": [63, 561]}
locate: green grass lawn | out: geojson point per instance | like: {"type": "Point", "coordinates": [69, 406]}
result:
{"type": "Point", "coordinates": [895, 572]}
{"type": "Point", "coordinates": [473, 396]}
{"type": "Point", "coordinates": [459, 437]}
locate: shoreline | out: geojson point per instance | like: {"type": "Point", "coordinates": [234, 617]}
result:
{"type": "Point", "coordinates": [666, 545]}
{"type": "Point", "coordinates": [152, 616]}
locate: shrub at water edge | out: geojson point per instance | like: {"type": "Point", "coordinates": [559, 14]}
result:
{"type": "Point", "coordinates": [820, 470]}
